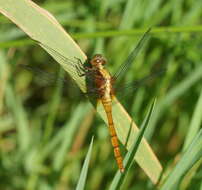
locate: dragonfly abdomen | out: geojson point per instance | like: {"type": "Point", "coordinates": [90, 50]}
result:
{"type": "Point", "coordinates": [107, 104]}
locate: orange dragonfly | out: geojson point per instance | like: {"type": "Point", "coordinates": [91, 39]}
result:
{"type": "Point", "coordinates": [103, 82]}
{"type": "Point", "coordinates": [103, 85]}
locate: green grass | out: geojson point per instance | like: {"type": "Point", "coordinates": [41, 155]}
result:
{"type": "Point", "coordinates": [46, 130]}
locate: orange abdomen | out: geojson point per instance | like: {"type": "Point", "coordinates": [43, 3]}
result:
{"type": "Point", "coordinates": [114, 139]}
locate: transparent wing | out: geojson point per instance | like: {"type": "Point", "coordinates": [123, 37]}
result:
{"type": "Point", "coordinates": [47, 77]}
{"type": "Point", "coordinates": [77, 67]}
{"type": "Point", "coordinates": [126, 89]}
{"type": "Point", "coordinates": [50, 79]}
{"type": "Point", "coordinates": [132, 55]}
{"type": "Point", "coordinates": [80, 69]}
{"type": "Point", "coordinates": [64, 59]}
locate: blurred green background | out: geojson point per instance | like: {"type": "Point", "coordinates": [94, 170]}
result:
{"type": "Point", "coordinates": [46, 127]}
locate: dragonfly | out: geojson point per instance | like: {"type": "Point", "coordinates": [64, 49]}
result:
{"type": "Point", "coordinates": [102, 84]}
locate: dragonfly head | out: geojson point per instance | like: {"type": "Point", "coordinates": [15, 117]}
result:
{"type": "Point", "coordinates": [98, 60]}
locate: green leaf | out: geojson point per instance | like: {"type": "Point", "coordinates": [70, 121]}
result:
{"type": "Point", "coordinates": [195, 123]}
{"type": "Point", "coordinates": [84, 171]}
{"type": "Point", "coordinates": [189, 158]}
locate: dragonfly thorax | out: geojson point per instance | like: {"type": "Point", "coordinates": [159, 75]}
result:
{"type": "Point", "coordinates": [98, 61]}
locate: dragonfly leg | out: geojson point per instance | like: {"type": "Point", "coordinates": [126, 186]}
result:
{"type": "Point", "coordinates": [81, 70]}
{"type": "Point", "coordinates": [80, 64]}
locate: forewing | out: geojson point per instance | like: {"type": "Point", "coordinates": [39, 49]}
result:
{"type": "Point", "coordinates": [124, 90]}
{"type": "Point", "coordinates": [64, 59]}
{"type": "Point", "coordinates": [50, 79]}
{"type": "Point", "coordinates": [46, 78]}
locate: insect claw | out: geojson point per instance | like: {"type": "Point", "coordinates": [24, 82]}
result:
{"type": "Point", "coordinates": [81, 75]}
{"type": "Point", "coordinates": [79, 65]}
{"type": "Point", "coordinates": [79, 60]}
{"type": "Point", "coordinates": [79, 72]}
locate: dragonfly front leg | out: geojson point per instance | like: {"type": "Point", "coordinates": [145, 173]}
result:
{"type": "Point", "coordinates": [81, 71]}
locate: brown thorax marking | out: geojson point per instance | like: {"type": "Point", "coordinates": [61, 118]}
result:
{"type": "Point", "coordinates": [102, 77]}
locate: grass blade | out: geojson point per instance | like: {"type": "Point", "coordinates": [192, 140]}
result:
{"type": "Point", "coordinates": [84, 171]}
{"type": "Point", "coordinates": [195, 123]}
{"type": "Point", "coordinates": [189, 158]}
